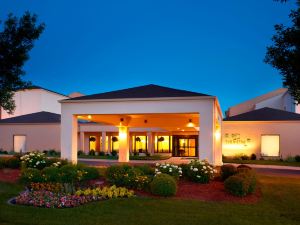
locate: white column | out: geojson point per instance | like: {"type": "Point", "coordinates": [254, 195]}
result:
{"type": "Point", "coordinates": [150, 143]}
{"type": "Point", "coordinates": [69, 137]}
{"type": "Point", "coordinates": [123, 144]}
{"type": "Point", "coordinates": [206, 136]}
{"type": "Point", "coordinates": [103, 141]}
{"type": "Point", "coordinates": [82, 141]}
{"type": "Point", "coordinates": [109, 144]}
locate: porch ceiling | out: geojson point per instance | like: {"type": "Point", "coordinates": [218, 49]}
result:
{"type": "Point", "coordinates": [170, 122]}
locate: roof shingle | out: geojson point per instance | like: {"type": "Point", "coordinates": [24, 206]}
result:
{"type": "Point", "coordinates": [38, 117]}
{"type": "Point", "coordinates": [265, 114]}
{"type": "Point", "coordinates": [146, 91]}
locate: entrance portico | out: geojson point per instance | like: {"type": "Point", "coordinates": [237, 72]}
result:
{"type": "Point", "coordinates": [175, 112]}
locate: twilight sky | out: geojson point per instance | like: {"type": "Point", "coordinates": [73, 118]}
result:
{"type": "Point", "coordinates": [213, 47]}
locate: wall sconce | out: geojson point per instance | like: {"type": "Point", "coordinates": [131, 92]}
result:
{"type": "Point", "coordinates": [218, 135]}
{"type": "Point", "coordinates": [145, 121]}
{"type": "Point", "coordinates": [190, 123]}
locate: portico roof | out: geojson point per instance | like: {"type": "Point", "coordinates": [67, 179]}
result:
{"type": "Point", "coordinates": [146, 91]}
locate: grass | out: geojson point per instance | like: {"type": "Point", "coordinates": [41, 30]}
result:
{"type": "Point", "coordinates": [279, 205]}
{"type": "Point", "coordinates": [262, 162]}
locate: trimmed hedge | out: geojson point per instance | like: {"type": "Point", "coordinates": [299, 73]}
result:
{"type": "Point", "coordinates": [228, 171]}
{"type": "Point", "coordinates": [242, 183]}
{"type": "Point", "coordinates": [163, 185]}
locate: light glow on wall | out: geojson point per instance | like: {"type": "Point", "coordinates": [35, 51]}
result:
{"type": "Point", "coordinates": [270, 145]}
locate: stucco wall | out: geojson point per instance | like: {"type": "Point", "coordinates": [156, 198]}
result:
{"type": "Point", "coordinates": [38, 137]}
{"type": "Point", "coordinates": [288, 131]}
{"type": "Point", "coordinates": [35, 100]}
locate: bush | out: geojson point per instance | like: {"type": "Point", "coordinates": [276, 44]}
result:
{"type": "Point", "coordinates": [92, 152]}
{"type": "Point", "coordinates": [90, 173]}
{"type": "Point", "coordinates": [101, 153]}
{"type": "Point", "coordinates": [12, 163]}
{"type": "Point", "coordinates": [241, 184]}
{"type": "Point", "coordinates": [80, 152]}
{"type": "Point", "coordinates": [166, 168]}
{"type": "Point", "coordinates": [34, 160]}
{"type": "Point", "coordinates": [245, 157]}
{"type": "Point", "coordinates": [56, 162]}
{"type": "Point", "coordinates": [51, 174]}
{"type": "Point", "coordinates": [227, 171]}
{"type": "Point", "coordinates": [69, 174]}
{"type": "Point", "coordinates": [114, 153]}
{"type": "Point", "coordinates": [253, 156]}
{"type": "Point", "coordinates": [163, 185]}
{"type": "Point", "coordinates": [127, 176]}
{"type": "Point", "coordinates": [32, 175]}
{"type": "Point", "coordinates": [297, 158]}
{"type": "Point", "coordinates": [200, 171]}
{"type": "Point", "coordinates": [146, 169]}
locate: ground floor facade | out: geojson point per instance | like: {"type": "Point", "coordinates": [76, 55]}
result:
{"type": "Point", "coordinates": [274, 139]}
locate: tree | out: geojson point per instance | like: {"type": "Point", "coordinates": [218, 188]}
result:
{"type": "Point", "coordinates": [16, 41]}
{"type": "Point", "coordinates": [284, 55]}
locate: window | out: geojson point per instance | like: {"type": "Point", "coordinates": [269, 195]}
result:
{"type": "Point", "coordinates": [139, 144]}
{"type": "Point", "coordinates": [92, 143]}
{"type": "Point", "coordinates": [163, 144]}
{"type": "Point", "coordinates": [270, 145]}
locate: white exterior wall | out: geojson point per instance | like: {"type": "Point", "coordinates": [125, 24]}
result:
{"type": "Point", "coordinates": [276, 102]}
{"type": "Point", "coordinates": [38, 137]}
{"type": "Point", "coordinates": [205, 106]}
{"type": "Point", "coordinates": [35, 100]}
{"type": "Point", "coordinates": [287, 130]}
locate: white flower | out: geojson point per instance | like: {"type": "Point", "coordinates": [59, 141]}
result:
{"type": "Point", "coordinates": [156, 170]}
{"type": "Point", "coordinates": [168, 164]}
{"type": "Point", "coordinates": [211, 171]}
{"type": "Point", "coordinates": [195, 169]}
{"type": "Point", "coordinates": [205, 172]}
{"type": "Point", "coordinates": [157, 164]}
{"type": "Point", "coordinates": [164, 167]}
{"type": "Point", "coordinates": [198, 176]}
{"type": "Point", "coordinates": [204, 167]}
{"type": "Point", "coordinates": [180, 171]}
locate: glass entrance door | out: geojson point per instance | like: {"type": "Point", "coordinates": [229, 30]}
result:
{"type": "Point", "coordinates": [185, 146]}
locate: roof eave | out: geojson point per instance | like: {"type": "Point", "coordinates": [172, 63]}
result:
{"type": "Point", "coordinates": [137, 99]}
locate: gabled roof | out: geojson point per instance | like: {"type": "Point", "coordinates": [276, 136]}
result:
{"type": "Point", "coordinates": [265, 114]}
{"type": "Point", "coordinates": [33, 87]}
{"type": "Point", "coordinates": [147, 91]}
{"type": "Point", "coordinates": [38, 117]}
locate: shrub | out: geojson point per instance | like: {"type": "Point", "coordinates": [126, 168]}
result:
{"type": "Point", "coordinates": [90, 173]}
{"type": "Point", "coordinates": [253, 156]}
{"type": "Point", "coordinates": [245, 157]}
{"type": "Point", "coordinates": [102, 153]}
{"type": "Point", "coordinates": [51, 174]}
{"type": "Point", "coordinates": [297, 158]}
{"type": "Point", "coordinates": [34, 160]}
{"type": "Point", "coordinates": [146, 169]}
{"type": "Point", "coordinates": [200, 171]}
{"type": "Point", "coordinates": [166, 168]}
{"type": "Point", "coordinates": [227, 171]}
{"type": "Point", "coordinates": [127, 176]}
{"type": "Point", "coordinates": [290, 159]}
{"type": "Point", "coordinates": [80, 152]}
{"type": "Point", "coordinates": [241, 184]}
{"type": "Point", "coordinates": [12, 162]}
{"type": "Point", "coordinates": [163, 185]}
{"type": "Point", "coordinates": [114, 153]}
{"type": "Point", "coordinates": [243, 167]}
{"type": "Point", "coordinates": [185, 168]}
{"type": "Point", "coordinates": [32, 175]}
{"type": "Point", "coordinates": [68, 173]}
{"type": "Point", "coordinates": [92, 152]}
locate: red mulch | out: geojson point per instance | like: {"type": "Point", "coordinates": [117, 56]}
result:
{"type": "Point", "coordinates": [214, 191]}
{"type": "Point", "coordinates": [10, 175]}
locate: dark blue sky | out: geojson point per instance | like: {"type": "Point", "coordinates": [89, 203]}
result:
{"type": "Point", "coordinates": [214, 47]}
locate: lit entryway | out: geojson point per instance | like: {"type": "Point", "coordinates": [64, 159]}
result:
{"type": "Point", "coordinates": [19, 143]}
{"type": "Point", "coordinates": [270, 145]}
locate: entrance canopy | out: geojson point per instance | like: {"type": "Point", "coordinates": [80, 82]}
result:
{"type": "Point", "coordinates": [146, 106]}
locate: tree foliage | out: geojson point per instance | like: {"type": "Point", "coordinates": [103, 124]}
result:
{"type": "Point", "coordinates": [284, 54]}
{"type": "Point", "coordinates": [16, 40]}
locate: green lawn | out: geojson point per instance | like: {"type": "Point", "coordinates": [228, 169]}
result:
{"type": "Point", "coordinates": [279, 205]}
{"type": "Point", "coordinates": [262, 162]}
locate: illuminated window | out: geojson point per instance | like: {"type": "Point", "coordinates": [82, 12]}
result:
{"type": "Point", "coordinates": [163, 144]}
{"type": "Point", "coordinates": [92, 143]}
{"type": "Point", "coordinates": [270, 145]}
{"type": "Point", "coordinates": [115, 143]}
{"type": "Point", "coordinates": [139, 144]}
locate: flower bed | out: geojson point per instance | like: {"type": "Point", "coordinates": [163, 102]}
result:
{"type": "Point", "coordinates": [49, 199]}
